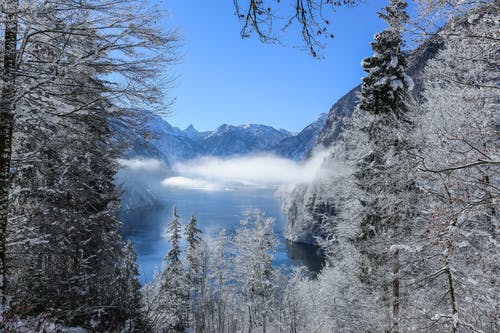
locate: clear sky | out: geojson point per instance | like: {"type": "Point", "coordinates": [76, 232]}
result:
{"type": "Point", "coordinates": [225, 79]}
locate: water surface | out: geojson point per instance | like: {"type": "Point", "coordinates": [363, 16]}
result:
{"type": "Point", "coordinates": [215, 211]}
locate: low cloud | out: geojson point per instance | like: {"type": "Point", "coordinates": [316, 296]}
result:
{"type": "Point", "coordinates": [259, 171]}
{"type": "Point", "coordinates": [192, 184]}
{"type": "Point", "coordinates": [147, 164]}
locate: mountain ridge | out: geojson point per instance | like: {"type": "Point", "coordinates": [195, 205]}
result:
{"type": "Point", "coordinates": [171, 144]}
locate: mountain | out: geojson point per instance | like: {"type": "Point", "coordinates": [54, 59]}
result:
{"type": "Point", "coordinates": [156, 138]}
{"type": "Point", "coordinates": [132, 138]}
{"type": "Point", "coordinates": [191, 132]}
{"type": "Point", "coordinates": [299, 146]}
{"type": "Point", "coordinates": [336, 118]}
{"type": "Point", "coordinates": [228, 140]}
{"type": "Point", "coordinates": [146, 135]}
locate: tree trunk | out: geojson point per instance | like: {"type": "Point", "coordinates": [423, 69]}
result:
{"type": "Point", "coordinates": [453, 301]}
{"type": "Point", "coordinates": [490, 206]}
{"type": "Point", "coordinates": [395, 292]}
{"type": "Point", "coordinates": [451, 289]}
{"type": "Point", "coordinates": [250, 323]}
{"type": "Point", "coordinates": [7, 107]}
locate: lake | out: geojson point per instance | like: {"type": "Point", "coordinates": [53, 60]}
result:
{"type": "Point", "coordinates": [215, 211]}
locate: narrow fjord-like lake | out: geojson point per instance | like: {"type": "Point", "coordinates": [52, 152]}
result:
{"type": "Point", "coordinates": [215, 211]}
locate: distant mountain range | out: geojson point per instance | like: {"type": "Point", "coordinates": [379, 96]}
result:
{"type": "Point", "coordinates": [156, 138]}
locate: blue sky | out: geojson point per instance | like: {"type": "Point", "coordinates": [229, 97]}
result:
{"type": "Point", "coordinates": [225, 79]}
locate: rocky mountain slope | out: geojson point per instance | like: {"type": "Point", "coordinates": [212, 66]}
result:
{"type": "Point", "coordinates": [299, 147]}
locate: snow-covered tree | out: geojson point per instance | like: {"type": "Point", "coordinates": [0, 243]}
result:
{"type": "Point", "coordinates": [130, 290]}
{"type": "Point", "coordinates": [7, 107]}
{"type": "Point", "coordinates": [255, 244]}
{"type": "Point", "coordinates": [173, 259]}
{"type": "Point", "coordinates": [193, 239]}
{"type": "Point", "coordinates": [457, 132]}
{"type": "Point", "coordinates": [433, 13]}
{"type": "Point", "coordinates": [58, 59]}
{"type": "Point", "coordinates": [196, 258]}
{"type": "Point", "coordinates": [221, 285]}
{"type": "Point", "coordinates": [167, 294]}
{"type": "Point", "coordinates": [386, 189]}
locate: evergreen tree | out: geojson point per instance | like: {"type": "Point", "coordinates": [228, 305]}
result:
{"type": "Point", "coordinates": [57, 58]}
{"type": "Point", "coordinates": [384, 88]}
{"type": "Point", "coordinates": [174, 278]}
{"type": "Point", "coordinates": [130, 290]}
{"type": "Point", "coordinates": [386, 188]}
{"type": "Point", "coordinates": [193, 239]}
{"type": "Point", "coordinates": [66, 245]}
{"type": "Point", "coordinates": [168, 293]}
{"type": "Point", "coordinates": [173, 259]}
{"type": "Point", "coordinates": [195, 257]}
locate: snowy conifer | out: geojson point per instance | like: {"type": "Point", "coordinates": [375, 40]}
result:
{"type": "Point", "coordinates": [196, 261]}
{"type": "Point", "coordinates": [129, 290]}
{"type": "Point", "coordinates": [61, 252]}
{"type": "Point", "coordinates": [193, 240]}
{"type": "Point", "coordinates": [169, 291]}
{"type": "Point", "coordinates": [386, 189]}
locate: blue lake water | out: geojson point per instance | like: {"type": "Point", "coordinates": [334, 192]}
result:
{"type": "Point", "coordinates": [215, 211]}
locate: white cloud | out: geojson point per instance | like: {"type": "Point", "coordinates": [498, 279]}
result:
{"type": "Point", "coordinates": [261, 171]}
{"type": "Point", "coordinates": [147, 164]}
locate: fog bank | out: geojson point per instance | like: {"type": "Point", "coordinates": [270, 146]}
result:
{"type": "Point", "coordinates": [254, 171]}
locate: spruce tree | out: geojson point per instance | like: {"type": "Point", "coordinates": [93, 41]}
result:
{"type": "Point", "coordinates": [192, 233]}
{"type": "Point", "coordinates": [173, 281]}
{"type": "Point", "coordinates": [129, 290]}
{"type": "Point", "coordinates": [385, 187]}
{"type": "Point", "coordinates": [173, 256]}
{"type": "Point", "coordinates": [194, 262]}
{"type": "Point", "coordinates": [59, 239]}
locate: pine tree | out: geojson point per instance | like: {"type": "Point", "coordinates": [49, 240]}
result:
{"type": "Point", "coordinates": [383, 104]}
{"type": "Point", "coordinates": [177, 284]}
{"type": "Point", "coordinates": [173, 259]}
{"type": "Point", "coordinates": [57, 57]}
{"type": "Point", "coordinates": [384, 88]}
